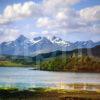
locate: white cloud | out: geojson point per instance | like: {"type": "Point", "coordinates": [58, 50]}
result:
{"type": "Point", "coordinates": [44, 22]}
{"type": "Point", "coordinates": [51, 7]}
{"type": "Point", "coordinates": [49, 33]}
{"type": "Point", "coordinates": [4, 20]}
{"type": "Point", "coordinates": [55, 16]}
{"type": "Point", "coordinates": [91, 13]}
{"type": "Point", "coordinates": [61, 16]}
{"type": "Point", "coordinates": [19, 11]}
{"type": "Point", "coordinates": [54, 3]}
{"type": "Point", "coordinates": [65, 20]}
{"type": "Point", "coordinates": [96, 28]}
{"type": "Point", "coordinates": [32, 9]}
{"type": "Point", "coordinates": [8, 34]}
{"type": "Point", "coordinates": [69, 20]}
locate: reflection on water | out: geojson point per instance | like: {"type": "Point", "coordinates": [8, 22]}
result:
{"type": "Point", "coordinates": [24, 78]}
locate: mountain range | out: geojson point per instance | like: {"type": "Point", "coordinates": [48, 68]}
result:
{"type": "Point", "coordinates": [24, 46]}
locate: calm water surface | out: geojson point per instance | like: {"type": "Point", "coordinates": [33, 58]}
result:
{"type": "Point", "coordinates": [26, 78]}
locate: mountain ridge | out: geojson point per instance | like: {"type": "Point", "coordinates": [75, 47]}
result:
{"type": "Point", "coordinates": [24, 46]}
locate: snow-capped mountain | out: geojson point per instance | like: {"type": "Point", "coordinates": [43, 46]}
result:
{"type": "Point", "coordinates": [82, 44]}
{"type": "Point", "coordinates": [59, 41]}
{"type": "Point", "coordinates": [24, 46]}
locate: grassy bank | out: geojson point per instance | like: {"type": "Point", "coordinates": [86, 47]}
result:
{"type": "Point", "coordinates": [12, 64]}
{"type": "Point", "coordinates": [47, 94]}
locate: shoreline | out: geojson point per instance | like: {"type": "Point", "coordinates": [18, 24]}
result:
{"type": "Point", "coordinates": [32, 68]}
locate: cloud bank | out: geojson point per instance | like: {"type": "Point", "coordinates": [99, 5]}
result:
{"type": "Point", "coordinates": [54, 16]}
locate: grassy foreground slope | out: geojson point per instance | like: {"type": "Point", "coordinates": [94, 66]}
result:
{"type": "Point", "coordinates": [48, 94]}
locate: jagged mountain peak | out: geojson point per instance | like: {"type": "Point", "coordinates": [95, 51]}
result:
{"type": "Point", "coordinates": [59, 41]}
{"type": "Point", "coordinates": [23, 45]}
{"type": "Point", "coordinates": [21, 38]}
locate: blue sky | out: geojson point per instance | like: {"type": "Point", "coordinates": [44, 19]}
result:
{"type": "Point", "coordinates": [72, 20]}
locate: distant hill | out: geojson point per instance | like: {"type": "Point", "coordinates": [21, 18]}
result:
{"type": "Point", "coordinates": [95, 52]}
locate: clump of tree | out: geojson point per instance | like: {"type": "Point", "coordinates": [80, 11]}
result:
{"type": "Point", "coordinates": [74, 63]}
